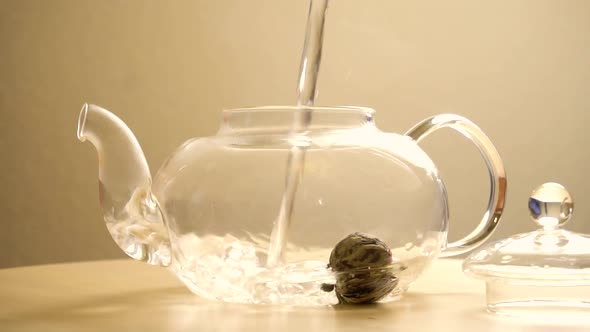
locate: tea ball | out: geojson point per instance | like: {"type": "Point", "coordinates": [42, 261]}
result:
{"type": "Point", "coordinates": [362, 264]}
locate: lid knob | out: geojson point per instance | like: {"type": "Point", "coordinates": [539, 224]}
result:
{"type": "Point", "coordinates": [551, 205]}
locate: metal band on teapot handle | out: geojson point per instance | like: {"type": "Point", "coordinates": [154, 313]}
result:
{"type": "Point", "coordinates": [495, 168]}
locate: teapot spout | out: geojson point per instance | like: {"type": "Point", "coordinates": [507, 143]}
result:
{"type": "Point", "coordinates": [131, 212]}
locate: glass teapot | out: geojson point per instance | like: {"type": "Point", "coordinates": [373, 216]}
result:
{"type": "Point", "coordinates": [214, 213]}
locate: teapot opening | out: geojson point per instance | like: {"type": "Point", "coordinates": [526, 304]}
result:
{"type": "Point", "coordinates": [286, 119]}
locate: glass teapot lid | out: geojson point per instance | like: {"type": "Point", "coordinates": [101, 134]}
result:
{"type": "Point", "coordinates": [546, 269]}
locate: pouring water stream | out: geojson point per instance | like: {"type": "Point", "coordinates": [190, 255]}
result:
{"type": "Point", "coordinates": [306, 93]}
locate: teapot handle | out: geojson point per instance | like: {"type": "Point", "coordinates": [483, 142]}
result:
{"type": "Point", "coordinates": [495, 168]}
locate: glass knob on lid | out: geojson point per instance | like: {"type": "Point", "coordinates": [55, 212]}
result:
{"type": "Point", "coordinates": [551, 206]}
{"type": "Point", "coordinates": [545, 272]}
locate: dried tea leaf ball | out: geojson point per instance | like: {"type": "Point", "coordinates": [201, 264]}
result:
{"type": "Point", "coordinates": [362, 264]}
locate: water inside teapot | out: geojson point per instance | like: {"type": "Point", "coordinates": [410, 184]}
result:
{"type": "Point", "coordinates": [233, 270]}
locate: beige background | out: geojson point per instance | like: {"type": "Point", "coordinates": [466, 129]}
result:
{"type": "Point", "coordinates": [519, 69]}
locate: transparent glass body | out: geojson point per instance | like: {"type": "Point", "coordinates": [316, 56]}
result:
{"type": "Point", "coordinates": [213, 213]}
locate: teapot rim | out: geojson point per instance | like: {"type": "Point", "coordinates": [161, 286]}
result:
{"type": "Point", "coordinates": [292, 108]}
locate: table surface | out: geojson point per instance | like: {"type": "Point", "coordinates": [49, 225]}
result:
{"type": "Point", "coordinates": [125, 295]}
